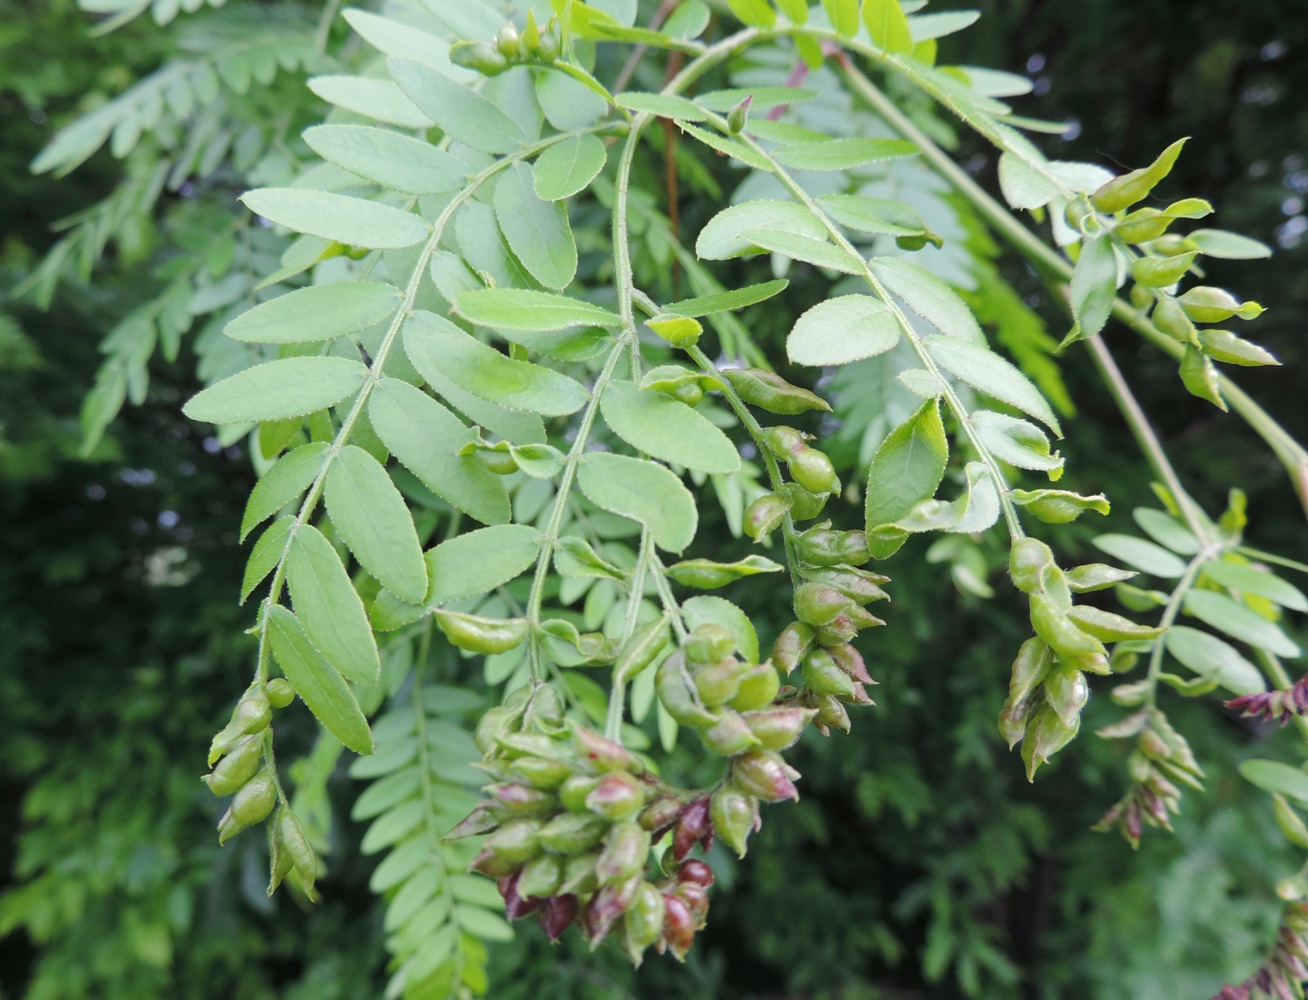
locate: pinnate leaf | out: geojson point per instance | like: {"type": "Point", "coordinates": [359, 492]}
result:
{"type": "Point", "coordinates": [524, 310]}
{"type": "Point", "coordinates": [721, 238]}
{"type": "Point", "coordinates": [479, 561]}
{"type": "Point", "coordinates": [537, 231]}
{"type": "Point", "coordinates": [842, 154]}
{"type": "Point", "coordinates": [929, 297]}
{"type": "Point", "coordinates": [329, 608]}
{"type": "Point", "coordinates": [644, 491]}
{"type": "Point", "coordinates": [460, 113]}
{"type": "Point", "coordinates": [397, 162]}
{"type": "Point", "coordinates": [319, 312]}
{"type": "Point", "coordinates": [707, 305]}
{"type": "Point", "coordinates": [275, 390]}
{"type": "Point", "coordinates": [266, 554]}
{"type": "Point", "coordinates": [655, 423]}
{"type": "Point", "coordinates": [985, 370]}
{"type": "Point", "coordinates": [289, 477]}
{"type": "Point", "coordinates": [568, 167]}
{"type": "Point", "coordinates": [844, 329]}
{"type": "Point", "coordinates": [907, 466]}
{"type": "Point", "coordinates": [1094, 285]}
{"type": "Point", "coordinates": [352, 221]}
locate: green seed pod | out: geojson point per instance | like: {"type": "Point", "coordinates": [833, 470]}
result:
{"type": "Point", "coordinates": [293, 843]}
{"type": "Point", "coordinates": [825, 547]}
{"type": "Point", "coordinates": [279, 692]}
{"type": "Point", "coordinates": [540, 772]}
{"type": "Point", "coordinates": [642, 923]}
{"type": "Point", "coordinates": [529, 43]}
{"type": "Point", "coordinates": [252, 804]}
{"type": "Point", "coordinates": [738, 116]}
{"type": "Point", "coordinates": [544, 710]}
{"type": "Point", "coordinates": [817, 605]}
{"type": "Point", "coordinates": [1143, 225]}
{"type": "Point", "coordinates": [1142, 298]}
{"type": "Point", "coordinates": [763, 774]}
{"type": "Point", "coordinates": [778, 728]}
{"type": "Point", "coordinates": [238, 767]}
{"type": "Point", "coordinates": [1171, 319]}
{"type": "Point", "coordinates": [718, 683]}
{"type": "Point", "coordinates": [783, 442]}
{"type": "Point", "coordinates": [1029, 561]}
{"type": "Point", "coordinates": [541, 876]}
{"type": "Point", "coordinates": [764, 515]}
{"type": "Point", "coordinates": [1159, 272]}
{"type": "Point", "coordinates": [1290, 822]}
{"type": "Point", "coordinates": [573, 792]}
{"type": "Point", "coordinates": [1173, 244]}
{"type": "Point", "coordinates": [1030, 668]}
{"type": "Point", "coordinates": [839, 630]}
{"type": "Point", "coordinates": [1046, 734]}
{"type": "Point", "coordinates": [679, 331]}
{"type": "Point", "coordinates": [516, 842]}
{"type": "Point", "coordinates": [769, 391]}
{"type": "Point", "coordinates": [831, 713]}
{"type": "Point", "coordinates": [709, 643]}
{"type": "Point", "coordinates": [678, 695]}
{"type": "Point", "coordinates": [728, 736]}
{"type": "Point", "coordinates": [662, 813]}
{"type": "Point", "coordinates": [507, 42]}
{"type": "Point", "coordinates": [823, 675]}
{"type": "Point", "coordinates": [858, 585]}
{"type": "Point", "coordinates": [759, 686]}
{"type": "Point", "coordinates": [623, 855]}
{"type": "Point", "coordinates": [1061, 633]}
{"type": "Point", "coordinates": [1206, 304]}
{"type": "Point", "coordinates": [579, 874]}
{"type": "Point", "coordinates": [516, 798]}
{"type": "Point", "coordinates": [548, 50]}
{"type": "Point", "coordinates": [617, 796]}
{"type": "Point", "coordinates": [482, 57]}
{"type": "Point", "coordinates": [481, 635]}
{"type": "Point", "coordinates": [791, 645]}
{"type": "Point", "coordinates": [813, 470]}
{"type": "Point", "coordinates": [850, 660]}
{"type": "Point", "coordinates": [689, 393]}
{"type": "Point", "coordinates": [1123, 192]}
{"type": "Point", "coordinates": [804, 504]}
{"type": "Point", "coordinates": [733, 814]}
{"type": "Point", "coordinates": [603, 754]}
{"type": "Point", "coordinates": [514, 745]}
{"type": "Point", "coordinates": [252, 714]}
{"type": "Point", "coordinates": [1066, 693]}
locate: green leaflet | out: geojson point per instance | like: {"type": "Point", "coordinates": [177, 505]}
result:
{"type": "Point", "coordinates": [663, 105]}
{"type": "Point", "coordinates": [319, 312]}
{"type": "Point", "coordinates": [536, 231]}
{"type": "Point", "coordinates": [1258, 582]}
{"type": "Point", "coordinates": [459, 112]}
{"type": "Point", "coordinates": [818, 252]}
{"type": "Point", "coordinates": [380, 100]}
{"type": "Point", "coordinates": [517, 426]}
{"type": "Point", "coordinates": [887, 25]}
{"type": "Point", "coordinates": [708, 608]}
{"type": "Point", "coordinates": [373, 520]}
{"type": "Point", "coordinates": [1094, 285]}
{"type": "Point", "coordinates": [394, 161]}
{"type": "Point", "coordinates": [1229, 246]}
{"type": "Point", "coordinates": [266, 554]}
{"type": "Point", "coordinates": [479, 561]}
{"type": "Point", "coordinates": [1274, 776]}
{"type": "Point", "coordinates": [985, 370]}
{"type": "Point", "coordinates": [289, 477]}
{"type": "Point", "coordinates": [1143, 555]}
{"type": "Point", "coordinates": [925, 27]}
{"type": "Point", "coordinates": [425, 436]}
{"type": "Point", "coordinates": [929, 297]}
{"type": "Point", "coordinates": [1238, 621]}
{"type": "Point", "coordinates": [1166, 530]}
{"type": "Point", "coordinates": [568, 167]}
{"type": "Point", "coordinates": [707, 305]}
{"type": "Point", "coordinates": [722, 237]}
{"type": "Point", "coordinates": [644, 491]}
{"type": "Point", "coordinates": [394, 38]}
{"type": "Point", "coordinates": [975, 510]}
{"type": "Point", "coordinates": [842, 154]}
{"type": "Point", "coordinates": [1022, 185]}
{"type": "Point", "coordinates": [329, 608]}
{"type": "Point", "coordinates": [275, 390]}
{"type": "Point", "coordinates": [523, 310]}
{"type": "Point", "coordinates": [435, 345]}
{"type": "Point", "coordinates": [843, 15]}
{"type": "Point", "coordinates": [655, 423]}
{"type": "Point", "coordinates": [1213, 658]}
{"type": "Point", "coordinates": [316, 682]}
{"type": "Point", "coordinates": [844, 329]}
{"type": "Point", "coordinates": [733, 148]}
{"type": "Point", "coordinates": [352, 221]}
{"type": "Point", "coordinates": [1018, 442]}
{"type": "Point", "coordinates": [907, 467]}
{"type": "Point", "coordinates": [758, 13]}
{"type": "Point", "coordinates": [873, 215]}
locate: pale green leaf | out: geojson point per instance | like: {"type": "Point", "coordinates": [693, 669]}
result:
{"type": "Point", "coordinates": [812, 250]}
{"type": "Point", "coordinates": [643, 491]}
{"type": "Point", "coordinates": [843, 329]}
{"type": "Point", "coordinates": [709, 608]}
{"type": "Point", "coordinates": [394, 161]}
{"type": "Point", "coordinates": [843, 15]}
{"type": "Point", "coordinates": [929, 297]}
{"type": "Point", "coordinates": [289, 477]}
{"type": "Point", "coordinates": [275, 390]}
{"type": "Point", "coordinates": [721, 238]}
{"type": "Point", "coordinates": [380, 100]}
{"type": "Point", "coordinates": [925, 27]}
{"type": "Point", "coordinates": [1018, 442]}
{"type": "Point", "coordinates": [537, 231]}
{"type": "Point", "coordinates": [1258, 582]}
{"type": "Point", "coordinates": [887, 25]}
{"type": "Point", "coordinates": [316, 682]}
{"type": "Point", "coordinates": [523, 310]}
{"type": "Point", "coordinates": [568, 167]}
{"type": "Point", "coordinates": [338, 217]}
{"type": "Point", "coordinates": [907, 466]}
{"type": "Point", "coordinates": [663, 105]}
{"type": "Point", "coordinates": [1024, 186]}
{"type": "Point", "coordinates": [1167, 531]}
{"type": "Point", "coordinates": [1229, 246]}
{"type": "Point", "coordinates": [517, 426]}
{"type": "Point", "coordinates": [733, 148]}
{"type": "Point", "coordinates": [1211, 657]}
{"type": "Point", "coordinates": [1094, 286]}
{"type": "Point", "coordinates": [758, 13]}
{"type": "Point", "coordinates": [435, 345]}
{"type": "Point", "coordinates": [707, 305]}
{"type": "Point", "coordinates": [1239, 621]}
{"type": "Point", "coordinates": [842, 154]}
{"type": "Point", "coordinates": [266, 554]}
{"type": "Point", "coordinates": [482, 923]}
{"type": "Point", "coordinates": [479, 561]}
{"type": "Point", "coordinates": [660, 426]}
{"type": "Point", "coordinates": [460, 113]}
{"type": "Point", "coordinates": [985, 370]}
{"type": "Point", "coordinates": [371, 517]}
{"type": "Point", "coordinates": [1143, 555]}
{"type": "Point", "coordinates": [319, 312]}
{"type": "Point", "coordinates": [762, 98]}
{"type": "Point", "coordinates": [425, 437]}
{"type": "Point", "coordinates": [873, 215]}
{"type": "Point", "coordinates": [329, 608]}
{"type": "Point", "coordinates": [394, 38]}
{"type": "Point", "coordinates": [1278, 778]}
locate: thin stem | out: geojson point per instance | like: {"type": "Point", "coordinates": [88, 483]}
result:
{"type": "Point", "coordinates": [324, 29]}
{"type": "Point", "coordinates": [1169, 618]}
{"type": "Point", "coordinates": [669, 601]}
{"type": "Point", "coordinates": [617, 696]}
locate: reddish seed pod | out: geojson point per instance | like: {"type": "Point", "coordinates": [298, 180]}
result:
{"type": "Point", "coordinates": [661, 815]}
{"type": "Point", "coordinates": [791, 645]}
{"type": "Point", "coordinates": [556, 914]}
{"type": "Point", "coordinates": [778, 728]}
{"type": "Point", "coordinates": [690, 828]}
{"type": "Point", "coordinates": [695, 896]}
{"type": "Point", "coordinates": [762, 773]}
{"type": "Point", "coordinates": [850, 660]}
{"type": "Point", "coordinates": [602, 753]}
{"type": "Point", "coordinates": [695, 870]}
{"type": "Point", "coordinates": [617, 796]}
{"type": "Point", "coordinates": [678, 925]}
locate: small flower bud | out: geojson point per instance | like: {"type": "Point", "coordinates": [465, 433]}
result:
{"type": "Point", "coordinates": [678, 695]}
{"type": "Point", "coordinates": [738, 116]}
{"type": "Point", "coordinates": [817, 605]}
{"type": "Point", "coordinates": [540, 772]}
{"type": "Point", "coordinates": [804, 504]}
{"type": "Point", "coordinates": [515, 798]}
{"type": "Point", "coordinates": [515, 904]}
{"type": "Point", "coordinates": [606, 906]}
{"type": "Point", "coordinates": [573, 792]}
{"type": "Point", "coordinates": [823, 676]}
{"type": "Point", "coordinates": [661, 815]}
{"type": "Point", "coordinates": [516, 841]}
{"type": "Point", "coordinates": [579, 874]}
{"type": "Point", "coordinates": [784, 442]}
{"type": "Point", "coordinates": [602, 753]}
{"type": "Point", "coordinates": [691, 828]}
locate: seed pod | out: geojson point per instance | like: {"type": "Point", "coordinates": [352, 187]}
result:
{"type": "Point", "coordinates": [540, 772]}
{"type": "Point", "coordinates": [1291, 823]}
{"type": "Point", "coordinates": [516, 905]}
{"type": "Point", "coordinates": [709, 643]}
{"type": "Point", "coordinates": [1143, 225]}
{"type": "Point", "coordinates": [679, 697]}
{"type": "Point", "coordinates": [617, 796]}
{"type": "Point", "coordinates": [294, 843]}
{"type": "Point", "coordinates": [479, 821]}
{"type": "Point", "coordinates": [678, 926]}
{"type": "Point", "coordinates": [661, 815]}
{"type": "Point", "coordinates": [604, 754]}
{"type": "Point", "coordinates": [579, 874]}
{"type": "Point", "coordinates": [642, 923]}
{"type": "Point", "coordinates": [1066, 693]}
{"type": "Point", "coordinates": [813, 470]}
{"type": "Point", "coordinates": [497, 458]}
{"type": "Point", "coordinates": [778, 728]}
{"type": "Point", "coordinates": [783, 442]}
{"type": "Point", "coordinates": [517, 841]}
{"type": "Point", "coordinates": [858, 585]}
{"type": "Point", "coordinates": [762, 773]}
{"type": "Point", "coordinates": [729, 735]}
{"type": "Point", "coordinates": [238, 767]}
{"type": "Point", "coordinates": [1159, 272]}
{"type": "Point", "coordinates": [850, 660]}
{"type": "Point", "coordinates": [695, 871]}
{"type": "Point", "coordinates": [825, 547]}
{"type": "Point", "coordinates": [493, 723]}
{"type": "Point", "coordinates": [840, 629]}
{"type": "Point", "coordinates": [830, 714]}
{"type": "Point", "coordinates": [606, 906]}
{"type": "Point", "coordinates": [1172, 320]}
{"type": "Point", "coordinates": [823, 676]}
{"type": "Point", "coordinates": [691, 828]}
{"type": "Point", "coordinates": [738, 116]}
{"type": "Point", "coordinates": [769, 391]}
{"type": "Point", "coordinates": [516, 798]}
{"type": "Point", "coordinates": [1059, 631]}
{"type": "Point", "coordinates": [1124, 191]}
{"type": "Point", "coordinates": [1046, 734]}
{"type": "Point", "coordinates": [482, 57]}
{"type": "Point", "coordinates": [1030, 668]}
{"type": "Point", "coordinates": [817, 605]}
{"type": "Point", "coordinates": [758, 687]}
{"type": "Point", "coordinates": [732, 813]}
{"type": "Point", "coordinates": [557, 913]}
{"type": "Point", "coordinates": [1206, 304]}
{"type": "Point", "coordinates": [279, 692]}
{"type": "Point", "coordinates": [544, 709]}
{"type": "Point", "coordinates": [541, 876]}
{"type": "Point", "coordinates": [251, 804]}
{"type": "Point", "coordinates": [679, 331]}
{"type": "Point", "coordinates": [804, 504]}
{"type": "Point", "coordinates": [718, 683]}
{"type": "Point", "coordinates": [791, 645]}
{"type": "Point", "coordinates": [695, 896]}
{"type": "Point", "coordinates": [481, 635]}
{"type": "Point", "coordinates": [764, 515]}
{"type": "Point", "coordinates": [514, 745]}
{"type": "Point", "coordinates": [1029, 560]}
{"type": "Point", "coordinates": [570, 833]}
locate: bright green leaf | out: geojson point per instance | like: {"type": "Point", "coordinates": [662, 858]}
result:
{"type": "Point", "coordinates": [536, 231]}
{"type": "Point", "coordinates": [663, 105]}
{"type": "Point", "coordinates": [707, 305]}
{"type": "Point", "coordinates": [929, 297]}
{"type": "Point", "coordinates": [1143, 555]}
{"type": "Point", "coordinates": [1094, 286]}
{"type": "Point", "coordinates": [985, 370]}
{"type": "Point", "coordinates": [275, 390]}
{"type": "Point", "coordinates": [1023, 185]}
{"type": "Point", "coordinates": [288, 478]}
{"type": "Point", "coordinates": [479, 561]}
{"type": "Point", "coordinates": [522, 310]}
{"type": "Point", "coordinates": [460, 113]}
{"type": "Point", "coordinates": [757, 13]}
{"type": "Point", "coordinates": [568, 167]}
{"type": "Point", "coordinates": [1280, 779]}
{"type": "Point", "coordinates": [907, 467]}
{"type": "Point", "coordinates": [843, 154]}
{"type": "Point", "coordinates": [643, 491]}
{"type": "Point", "coordinates": [329, 608]}
{"type": "Point", "coordinates": [266, 554]}
{"type": "Point", "coordinates": [887, 25]}
{"type": "Point", "coordinates": [844, 329]}
{"type": "Point", "coordinates": [319, 312]}
{"type": "Point", "coordinates": [1239, 621]}
{"type": "Point", "coordinates": [721, 237]}
{"type": "Point", "coordinates": [708, 608]}
{"type": "Point", "coordinates": [660, 426]}
{"type": "Point", "coordinates": [1258, 582]}
{"type": "Point", "coordinates": [1211, 657]}
{"type": "Point", "coordinates": [352, 221]}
